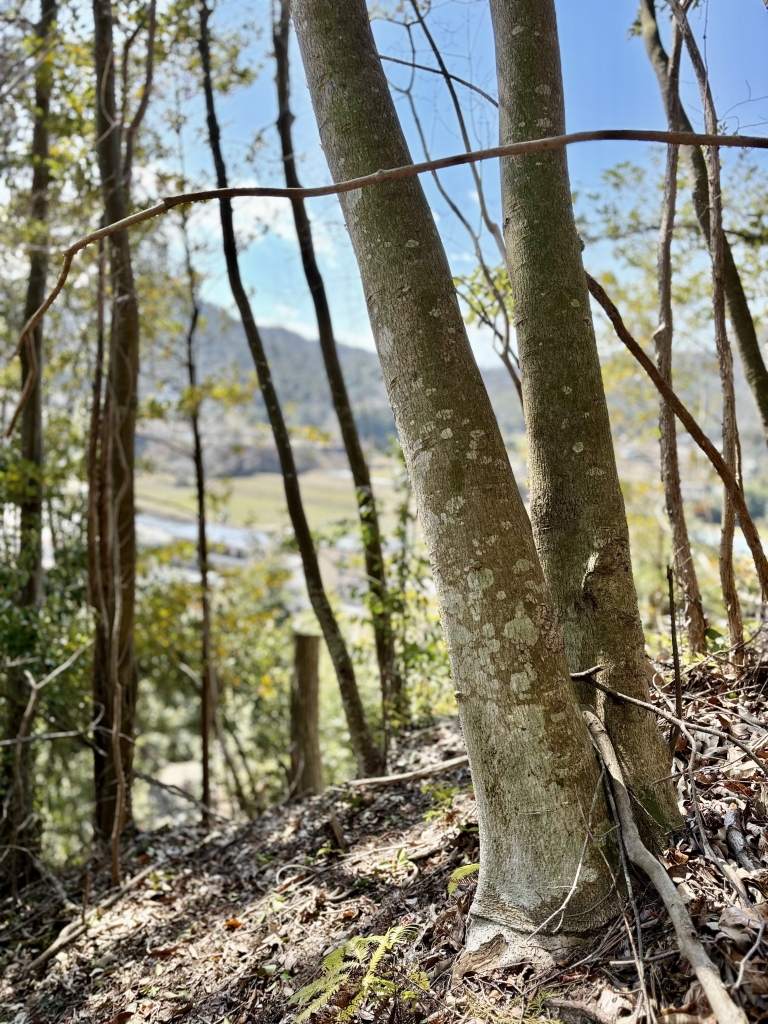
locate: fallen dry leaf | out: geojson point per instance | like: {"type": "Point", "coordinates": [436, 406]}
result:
{"type": "Point", "coordinates": [122, 1017]}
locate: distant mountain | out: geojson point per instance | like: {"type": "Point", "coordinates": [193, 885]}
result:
{"type": "Point", "coordinates": [240, 440]}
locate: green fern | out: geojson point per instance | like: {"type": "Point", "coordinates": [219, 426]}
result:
{"type": "Point", "coordinates": [459, 874]}
{"type": "Point", "coordinates": [341, 969]}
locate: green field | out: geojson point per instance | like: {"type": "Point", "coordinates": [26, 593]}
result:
{"type": "Point", "coordinates": [259, 500]}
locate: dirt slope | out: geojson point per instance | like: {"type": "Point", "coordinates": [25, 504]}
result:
{"type": "Point", "coordinates": [227, 925]}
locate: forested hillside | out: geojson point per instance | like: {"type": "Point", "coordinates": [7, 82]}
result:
{"type": "Point", "coordinates": [297, 366]}
{"type": "Point", "coordinates": [384, 485]}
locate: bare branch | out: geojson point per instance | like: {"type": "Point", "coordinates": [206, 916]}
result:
{"type": "Point", "coordinates": [685, 726]}
{"type": "Point", "coordinates": [418, 773]}
{"type": "Point", "coordinates": [725, 1010]}
{"type": "Point", "coordinates": [748, 527]}
{"type": "Point", "coordinates": [439, 71]}
{"type": "Point", "coordinates": [670, 465]}
{"type": "Point", "coordinates": [492, 226]}
{"type": "Point", "coordinates": [73, 932]}
{"type": "Point", "coordinates": [380, 176]}
{"type": "Point", "coordinates": [725, 356]}
{"type": "Point", "coordinates": [132, 129]}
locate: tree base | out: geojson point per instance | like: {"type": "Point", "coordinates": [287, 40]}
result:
{"type": "Point", "coordinates": [491, 945]}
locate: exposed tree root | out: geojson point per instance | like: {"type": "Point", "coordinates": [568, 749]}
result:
{"type": "Point", "coordinates": [724, 1008]}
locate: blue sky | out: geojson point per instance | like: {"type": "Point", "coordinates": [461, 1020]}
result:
{"type": "Point", "coordinates": [609, 83]}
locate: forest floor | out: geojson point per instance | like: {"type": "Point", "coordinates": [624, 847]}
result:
{"type": "Point", "coordinates": [225, 924]}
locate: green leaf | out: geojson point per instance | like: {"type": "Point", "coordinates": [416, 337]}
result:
{"type": "Point", "coordinates": [459, 874]}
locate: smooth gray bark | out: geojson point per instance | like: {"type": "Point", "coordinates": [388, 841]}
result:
{"type": "Point", "coordinates": [534, 775]}
{"type": "Point", "coordinates": [577, 508]}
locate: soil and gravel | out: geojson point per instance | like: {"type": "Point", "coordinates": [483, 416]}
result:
{"type": "Point", "coordinates": [224, 924]}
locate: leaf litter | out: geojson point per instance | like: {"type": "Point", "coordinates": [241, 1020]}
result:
{"type": "Point", "coordinates": [232, 925]}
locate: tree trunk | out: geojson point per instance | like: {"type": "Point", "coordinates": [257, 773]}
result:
{"type": "Point", "coordinates": [577, 508]}
{"type": "Point", "coordinates": [306, 775]}
{"type": "Point", "coordinates": [115, 680]}
{"type": "Point", "coordinates": [207, 709]}
{"type": "Point", "coordinates": [391, 681]}
{"type": "Point", "coordinates": [724, 354]}
{"type": "Point", "coordinates": [19, 830]}
{"type": "Point", "coordinates": [368, 756]}
{"type": "Point", "coordinates": [696, 624]}
{"type": "Point", "coordinates": [533, 773]}
{"type": "Point", "coordinates": [738, 309]}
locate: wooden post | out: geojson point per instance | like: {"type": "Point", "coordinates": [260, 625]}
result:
{"type": "Point", "coordinates": [306, 775]}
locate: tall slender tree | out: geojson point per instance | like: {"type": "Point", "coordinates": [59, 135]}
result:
{"type": "Point", "coordinates": [577, 509]}
{"type": "Point", "coordinates": [738, 308]}
{"type": "Point", "coordinates": [367, 754]}
{"type": "Point", "coordinates": [391, 681]}
{"type": "Point", "coordinates": [528, 749]}
{"type": "Point", "coordinates": [724, 354]}
{"type": "Point", "coordinates": [696, 624]}
{"type": "Point", "coordinates": [19, 832]}
{"type": "Point", "coordinates": [115, 680]}
{"type": "Point", "coordinates": [207, 676]}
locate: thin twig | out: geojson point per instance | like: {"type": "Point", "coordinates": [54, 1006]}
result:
{"type": "Point", "coordinates": [71, 734]}
{"type": "Point", "coordinates": [753, 948]}
{"type": "Point", "coordinates": [725, 357]}
{"type": "Point", "coordinates": [439, 71]}
{"type": "Point", "coordinates": [70, 933]}
{"type": "Point", "coordinates": [590, 674]}
{"type": "Point", "coordinates": [133, 128]}
{"type": "Point", "coordinates": [588, 835]}
{"type": "Point", "coordinates": [635, 946]}
{"type": "Point", "coordinates": [178, 791]}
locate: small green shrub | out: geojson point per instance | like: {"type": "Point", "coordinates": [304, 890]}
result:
{"type": "Point", "coordinates": [361, 972]}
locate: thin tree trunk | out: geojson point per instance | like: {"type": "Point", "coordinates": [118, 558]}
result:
{"type": "Point", "coordinates": [207, 671]}
{"type": "Point", "coordinates": [368, 756]}
{"type": "Point", "coordinates": [115, 680]}
{"type": "Point", "coordinates": [532, 769]}
{"type": "Point", "coordinates": [696, 624]}
{"type": "Point", "coordinates": [17, 818]}
{"type": "Point", "coordinates": [255, 801]}
{"type": "Point", "coordinates": [306, 775]}
{"type": "Point", "coordinates": [206, 668]}
{"type": "Point", "coordinates": [97, 485]}
{"type": "Point", "coordinates": [391, 681]}
{"type": "Point", "coordinates": [242, 799]}
{"type": "Point", "coordinates": [728, 477]}
{"type": "Point", "coordinates": [724, 355]}
{"type": "Point", "coordinates": [738, 308]}
{"type": "Point", "coordinates": [577, 509]}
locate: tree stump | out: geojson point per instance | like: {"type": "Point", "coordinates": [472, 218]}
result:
{"type": "Point", "coordinates": [306, 775]}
